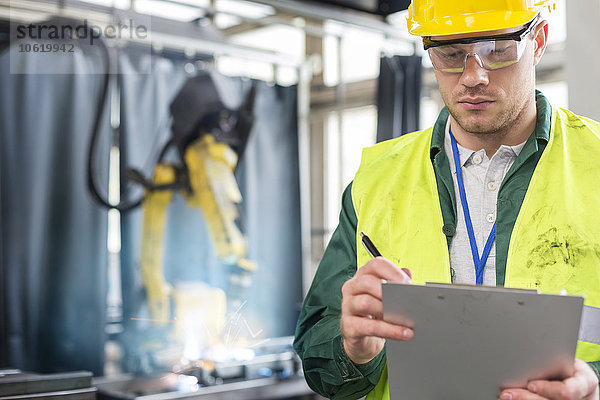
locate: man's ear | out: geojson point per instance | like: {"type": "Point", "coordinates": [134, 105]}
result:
{"type": "Point", "coordinates": [540, 40]}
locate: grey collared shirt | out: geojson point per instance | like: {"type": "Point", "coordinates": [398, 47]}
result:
{"type": "Point", "coordinates": [482, 177]}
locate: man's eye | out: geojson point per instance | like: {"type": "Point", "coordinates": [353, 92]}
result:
{"type": "Point", "coordinates": [450, 54]}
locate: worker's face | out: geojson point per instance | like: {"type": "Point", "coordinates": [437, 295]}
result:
{"type": "Point", "coordinates": [490, 101]}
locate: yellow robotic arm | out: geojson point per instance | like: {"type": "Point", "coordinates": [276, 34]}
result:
{"type": "Point", "coordinates": [215, 191]}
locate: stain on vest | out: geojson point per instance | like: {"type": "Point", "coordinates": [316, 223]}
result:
{"type": "Point", "coordinates": [558, 254]}
{"type": "Point", "coordinates": [574, 121]}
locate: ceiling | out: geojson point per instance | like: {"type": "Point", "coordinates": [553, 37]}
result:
{"type": "Point", "coordinates": [379, 7]}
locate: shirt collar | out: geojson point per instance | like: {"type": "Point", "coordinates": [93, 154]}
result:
{"type": "Point", "coordinates": [464, 154]}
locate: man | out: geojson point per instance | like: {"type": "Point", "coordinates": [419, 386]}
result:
{"type": "Point", "coordinates": [526, 172]}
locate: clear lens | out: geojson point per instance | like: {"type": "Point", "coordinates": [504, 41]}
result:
{"type": "Point", "coordinates": [491, 54]}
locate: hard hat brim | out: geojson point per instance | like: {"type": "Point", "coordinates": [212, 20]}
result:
{"type": "Point", "coordinates": [478, 22]}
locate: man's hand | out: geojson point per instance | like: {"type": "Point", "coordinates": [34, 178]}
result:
{"type": "Point", "coordinates": [583, 384]}
{"type": "Point", "coordinates": [363, 329]}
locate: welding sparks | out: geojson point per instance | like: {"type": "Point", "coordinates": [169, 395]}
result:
{"type": "Point", "coordinates": [254, 335]}
{"type": "Point", "coordinates": [236, 314]}
{"type": "Point", "coordinates": [235, 324]}
{"type": "Point", "coordinates": [228, 335]}
{"type": "Point", "coordinates": [259, 343]}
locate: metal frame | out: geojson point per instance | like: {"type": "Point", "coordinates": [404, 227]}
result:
{"type": "Point", "coordinates": [169, 32]}
{"type": "Point", "coordinates": [305, 73]}
{"type": "Point", "coordinates": [166, 34]}
{"type": "Point", "coordinates": [268, 20]}
{"type": "Point", "coordinates": [328, 12]}
{"type": "Point", "coordinates": [584, 61]}
{"type": "Point", "coordinates": [255, 389]}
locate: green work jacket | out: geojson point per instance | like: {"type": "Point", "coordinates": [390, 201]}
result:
{"type": "Point", "coordinates": [318, 341]}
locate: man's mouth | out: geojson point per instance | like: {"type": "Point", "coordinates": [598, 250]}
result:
{"type": "Point", "coordinates": [476, 103]}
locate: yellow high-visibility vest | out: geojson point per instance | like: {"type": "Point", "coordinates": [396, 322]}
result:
{"type": "Point", "coordinates": [555, 243]}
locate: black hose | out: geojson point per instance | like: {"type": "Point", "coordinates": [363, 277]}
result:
{"type": "Point", "coordinates": [130, 173]}
{"type": "Point", "coordinates": [91, 172]}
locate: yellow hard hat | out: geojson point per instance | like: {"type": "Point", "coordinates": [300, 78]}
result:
{"type": "Point", "coordinates": [450, 17]}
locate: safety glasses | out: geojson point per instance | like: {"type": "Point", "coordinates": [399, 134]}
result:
{"type": "Point", "coordinates": [491, 52]}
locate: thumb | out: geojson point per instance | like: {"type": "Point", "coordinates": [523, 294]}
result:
{"type": "Point", "coordinates": [407, 272]}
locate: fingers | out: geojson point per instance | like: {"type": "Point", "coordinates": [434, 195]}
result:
{"type": "Point", "coordinates": [357, 327]}
{"type": "Point", "coordinates": [583, 384]}
{"type": "Point", "coordinates": [571, 389]}
{"type": "Point", "coordinates": [366, 306]}
{"type": "Point", "coordinates": [367, 280]}
{"type": "Point", "coordinates": [363, 284]}
{"type": "Point", "coordinates": [519, 394]}
{"type": "Point", "coordinates": [362, 307]}
{"type": "Point", "coordinates": [385, 269]}
{"type": "Point", "coordinates": [361, 298]}
{"type": "Point", "coordinates": [407, 272]}
{"type": "Point", "coordinates": [579, 386]}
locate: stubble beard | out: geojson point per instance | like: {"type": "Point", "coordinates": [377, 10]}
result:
{"type": "Point", "coordinates": [475, 121]}
{"type": "Point", "coordinates": [484, 122]}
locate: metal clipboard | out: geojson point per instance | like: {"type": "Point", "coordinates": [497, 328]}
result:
{"type": "Point", "coordinates": [472, 341]}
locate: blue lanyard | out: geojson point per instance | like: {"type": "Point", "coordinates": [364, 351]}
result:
{"type": "Point", "coordinates": [479, 262]}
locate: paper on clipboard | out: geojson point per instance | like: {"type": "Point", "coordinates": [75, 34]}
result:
{"type": "Point", "coordinates": [471, 342]}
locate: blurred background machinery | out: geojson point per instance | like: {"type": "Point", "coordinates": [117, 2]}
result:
{"type": "Point", "coordinates": [15, 384]}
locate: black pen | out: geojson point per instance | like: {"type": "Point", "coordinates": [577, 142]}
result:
{"type": "Point", "coordinates": [369, 246]}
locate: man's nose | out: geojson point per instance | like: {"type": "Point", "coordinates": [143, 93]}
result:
{"type": "Point", "coordinates": [474, 74]}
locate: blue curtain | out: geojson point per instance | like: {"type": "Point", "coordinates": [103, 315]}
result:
{"type": "Point", "coordinates": [398, 96]}
{"type": "Point", "coordinates": [53, 237]}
